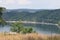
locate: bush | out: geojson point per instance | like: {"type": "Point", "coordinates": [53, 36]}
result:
{"type": "Point", "coordinates": [19, 28]}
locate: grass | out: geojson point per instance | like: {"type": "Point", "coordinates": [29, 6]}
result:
{"type": "Point", "coordinates": [31, 36]}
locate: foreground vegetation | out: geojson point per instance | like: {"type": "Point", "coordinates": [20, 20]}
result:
{"type": "Point", "coordinates": [20, 28]}
{"type": "Point", "coordinates": [31, 36]}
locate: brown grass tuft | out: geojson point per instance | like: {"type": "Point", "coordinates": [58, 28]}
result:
{"type": "Point", "coordinates": [31, 36]}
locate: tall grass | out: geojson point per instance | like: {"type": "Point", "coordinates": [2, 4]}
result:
{"type": "Point", "coordinates": [31, 36]}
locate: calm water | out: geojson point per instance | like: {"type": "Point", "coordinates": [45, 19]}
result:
{"type": "Point", "coordinates": [5, 28]}
{"type": "Point", "coordinates": [39, 28]}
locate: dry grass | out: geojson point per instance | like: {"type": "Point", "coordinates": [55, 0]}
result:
{"type": "Point", "coordinates": [31, 36]}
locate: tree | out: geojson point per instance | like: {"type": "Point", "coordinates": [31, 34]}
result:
{"type": "Point", "coordinates": [19, 28]}
{"type": "Point", "coordinates": [1, 12]}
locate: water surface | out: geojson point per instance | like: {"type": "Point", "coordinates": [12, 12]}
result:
{"type": "Point", "coordinates": [39, 28]}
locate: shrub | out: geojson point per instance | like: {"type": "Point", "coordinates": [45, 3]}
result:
{"type": "Point", "coordinates": [19, 28]}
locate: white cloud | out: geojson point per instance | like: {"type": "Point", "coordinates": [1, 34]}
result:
{"type": "Point", "coordinates": [48, 4]}
{"type": "Point", "coordinates": [9, 1]}
{"type": "Point", "coordinates": [23, 2]}
{"type": "Point", "coordinates": [14, 3]}
{"type": "Point", "coordinates": [0, 1]}
{"type": "Point", "coordinates": [18, 2]}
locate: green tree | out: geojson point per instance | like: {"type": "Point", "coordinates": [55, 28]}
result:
{"type": "Point", "coordinates": [1, 13]}
{"type": "Point", "coordinates": [19, 28]}
{"type": "Point", "coordinates": [1, 10]}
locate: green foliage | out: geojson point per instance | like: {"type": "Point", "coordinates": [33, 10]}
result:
{"type": "Point", "coordinates": [2, 8]}
{"type": "Point", "coordinates": [19, 28]}
{"type": "Point", "coordinates": [1, 12]}
{"type": "Point", "coordinates": [2, 22]}
{"type": "Point", "coordinates": [16, 27]}
{"type": "Point", "coordinates": [27, 30]}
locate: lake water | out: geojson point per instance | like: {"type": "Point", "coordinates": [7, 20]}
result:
{"type": "Point", "coordinates": [39, 28]}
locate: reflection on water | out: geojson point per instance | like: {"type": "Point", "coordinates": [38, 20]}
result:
{"type": "Point", "coordinates": [46, 29]}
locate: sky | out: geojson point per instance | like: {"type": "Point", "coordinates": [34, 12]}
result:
{"type": "Point", "coordinates": [30, 4]}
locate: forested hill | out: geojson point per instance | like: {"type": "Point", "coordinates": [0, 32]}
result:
{"type": "Point", "coordinates": [52, 16]}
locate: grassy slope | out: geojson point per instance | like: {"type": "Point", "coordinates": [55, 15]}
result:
{"type": "Point", "coordinates": [32, 36]}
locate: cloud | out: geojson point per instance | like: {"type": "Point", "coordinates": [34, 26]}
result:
{"type": "Point", "coordinates": [43, 4]}
{"type": "Point", "coordinates": [23, 2]}
{"type": "Point", "coordinates": [14, 3]}
{"type": "Point", "coordinates": [18, 2]}
{"type": "Point", "coordinates": [9, 1]}
{"type": "Point", "coordinates": [46, 4]}
{"type": "Point", "coordinates": [1, 3]}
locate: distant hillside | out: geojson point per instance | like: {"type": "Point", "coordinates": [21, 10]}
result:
{"type": "Point", "coordinates": [52, 16]}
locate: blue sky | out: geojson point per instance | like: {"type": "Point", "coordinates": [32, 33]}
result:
{"type": "Point", "coordinates": [30, 4]}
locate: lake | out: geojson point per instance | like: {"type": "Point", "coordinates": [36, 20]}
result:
{"type": "Point", "coordinates": [39, 28]}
